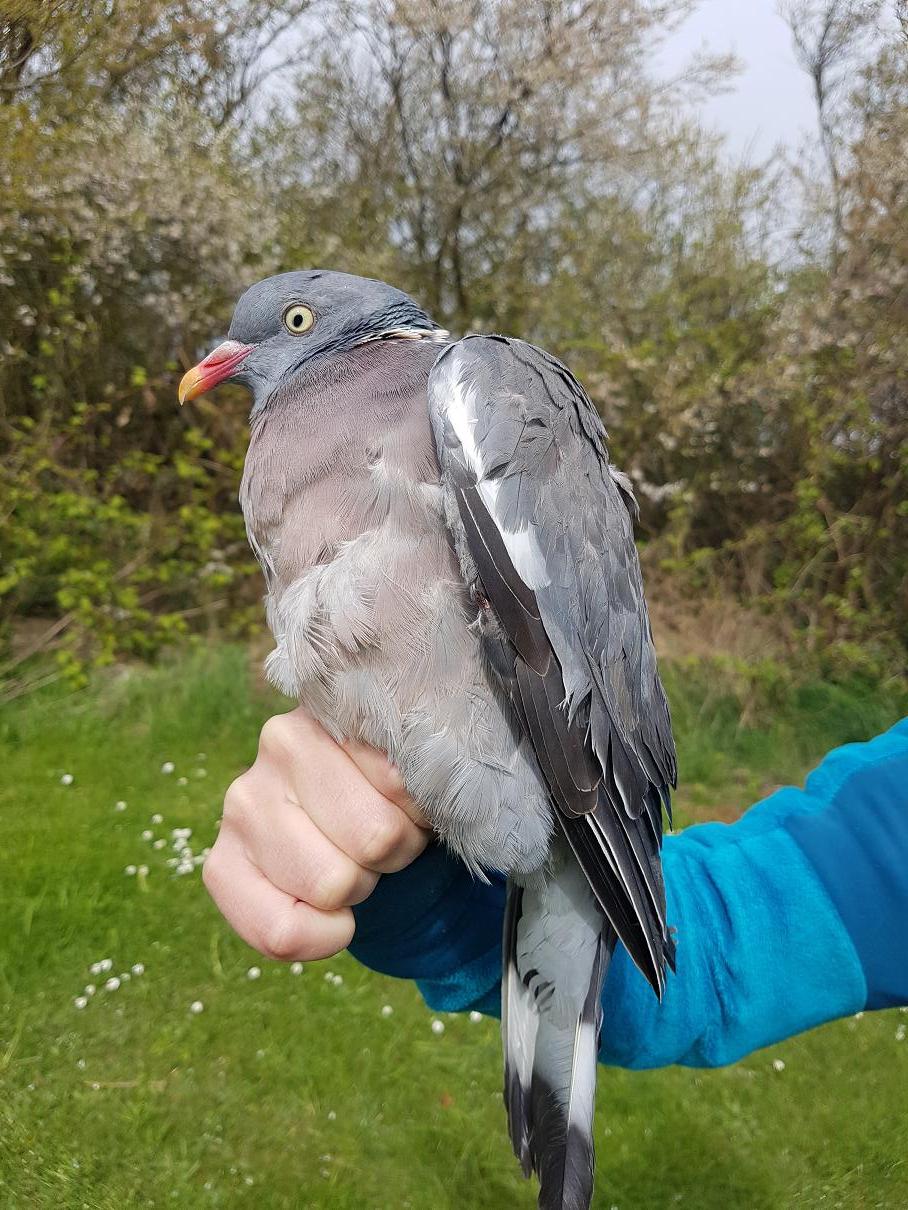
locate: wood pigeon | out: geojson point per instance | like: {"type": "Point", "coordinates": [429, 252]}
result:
{"type": "Point", "coordinates": [451, 576]}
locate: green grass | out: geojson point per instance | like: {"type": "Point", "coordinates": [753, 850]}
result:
{"type": "Point", "coordinates": [289, 1091]}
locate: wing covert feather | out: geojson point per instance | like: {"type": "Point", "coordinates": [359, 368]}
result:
{"type": "Point", "coordinates": [543, 524]}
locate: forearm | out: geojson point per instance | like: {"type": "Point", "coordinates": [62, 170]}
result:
{"type": "Point", "coordinates": [800, 968]}
{"type": "Point", "coordinates": [766, 933]}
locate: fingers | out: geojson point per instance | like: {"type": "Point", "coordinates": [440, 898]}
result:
{"type": "Point", "coordinates": [382, 776]}
{"type": "Point", "coordinates": [273, 922]}
{"type": "Point", "coordinates": [305, 835]}
{"type": "Point", "coordinates": [353, 794]}
{"type": "Point", "coordinates": [301, 860]}
{"type": "Point", "coordinates": [371, 828]}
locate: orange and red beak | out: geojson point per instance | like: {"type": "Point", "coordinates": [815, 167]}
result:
{"type": "Point", "coordinates": [216, 367]}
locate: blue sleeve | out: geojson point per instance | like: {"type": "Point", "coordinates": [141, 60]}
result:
{"type": "Point", "coordinates": [795, 915]}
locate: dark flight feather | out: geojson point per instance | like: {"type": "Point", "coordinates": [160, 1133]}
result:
{"type": "Point", "coordinates": [545, 528]}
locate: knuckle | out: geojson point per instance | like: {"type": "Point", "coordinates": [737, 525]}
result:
{"type": "Point", "coordinates": [213, 872]}
{"type": "Point", "coordinates": [281, 939]}
{"type": "Point", "coordinates": [327, 945]}
{"type": "Point", "coordinates": [239, 801]}
{"type": "Point", "coordinates": [275, 737]}
{"type": "Point", "coordinates": [331, 886]}
{"type": "Point", "coordinates": [394, 786]}
{"type": "Point", "coordinates": [382, 840]}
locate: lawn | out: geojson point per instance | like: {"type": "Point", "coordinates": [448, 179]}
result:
{"type": "Point", "coordinates": [296, 1090]}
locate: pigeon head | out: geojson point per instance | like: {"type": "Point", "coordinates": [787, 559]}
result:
{"type": "Point", "coordinates": [284, 323]}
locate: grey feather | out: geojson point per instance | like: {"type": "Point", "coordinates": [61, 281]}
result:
{"type": "Point", "coordinates": [542, 527]}
{"type": "Point", "coordinates": [545, 527]}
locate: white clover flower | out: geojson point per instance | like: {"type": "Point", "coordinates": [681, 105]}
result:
{"type": "Point", "coordinates": [138, 968]}
{"type": "Point", "coordinates": [125, 976]}
{"type": "Point", "coordinates": [329, 976]}
{"type": "Point", "coordinates": [900, 1034]}
{"type": "Point", "coordinates": [168, 766]}
{"type": "Point", "coordinates": [80, 1001]}
{"type": "Point", "coordinates": [129, 872]}
{"type": "Point", "coordinates": [182, 781]}
{"type": "Point", "coordinates": [200, 773]}
{"type": "Point", "coordinates": [475, 1016]}
{"type": "Point", "coordinates": [80, 1063]}
{"type": "Point", "coordinates": [159, 843]}
{"type": "Point", "coordinates": [196, 1007]}
{"type": "Point", "coordinates": [120, 806]}
{"type": "Point", "coordinates": [143, 871]}
{"type": "Point", "coordinates": [386, 1010]}
{"type": "Point", "coordinates": [105, 964]}
{"type": "Point", "coordinates": [296, 968]}
{"type": "Point", "coordinates": [89, 989]}
{"type": "Point", "coordinates": [157, 817]}
{"type": "Point", "coordinates": [438, 1027]}
{"type": "Point", "coordinates": [147, 834]}
{"type": "Point", "coordinates": [253, 973]}
{"type": "Point", "coordinates": [67, 779]}
{"type": "Point", "coordinates": [337, 980]}
{"type": "Point", "coordinates": [112, 983]}
{"type": "Point", "coordinates": [332, 1116]}
{"type": "Point", "coordinates": [778, 1065]}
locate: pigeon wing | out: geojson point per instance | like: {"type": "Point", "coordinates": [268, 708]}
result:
{"type": "Point", "coordinates": [543, 527]}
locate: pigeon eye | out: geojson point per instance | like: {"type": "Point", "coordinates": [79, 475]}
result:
{"type": "Point", "coordinates": [298, 319]}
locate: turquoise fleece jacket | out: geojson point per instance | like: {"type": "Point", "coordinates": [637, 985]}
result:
{"type": "Point", "coordinates": [794, 915]}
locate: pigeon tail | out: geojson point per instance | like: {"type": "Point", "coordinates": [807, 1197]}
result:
{"type": "Point", "coordinates": [556, 953]}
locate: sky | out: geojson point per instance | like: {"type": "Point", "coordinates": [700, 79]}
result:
{"type": "Point", "coordinates": [770, 102]}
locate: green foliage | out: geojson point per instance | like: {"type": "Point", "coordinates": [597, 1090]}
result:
{"type": "Point", "coordinates": [118, 563]}
{"type": "Point", "coordinates": [518, 168]}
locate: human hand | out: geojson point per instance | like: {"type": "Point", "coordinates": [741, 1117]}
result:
{"type": "Point", "coordinates": [305, 835]}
